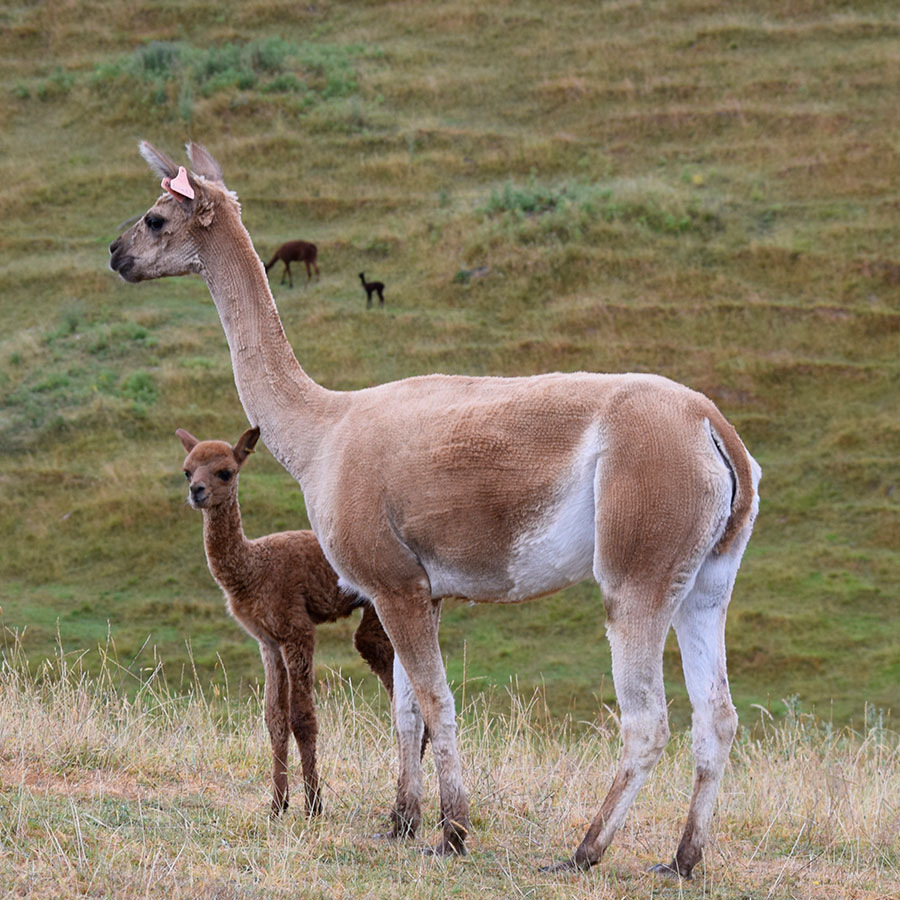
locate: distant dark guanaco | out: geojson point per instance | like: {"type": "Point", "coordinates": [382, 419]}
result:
{"type": "Point", "coordinates": [296, 251]}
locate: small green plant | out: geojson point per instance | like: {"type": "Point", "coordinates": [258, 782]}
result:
{"type": "Point", "coordinates": [57, 85]}
{"type": "Point", "coordinates": [530, 199]}
{"type": "Point", "coordinates": [68, 324]}
{"type": "Point", "coordinates": [141, 390]}
{"type": "Point", "coordinates": [285, 83]}
{"type": "Point", "coordinates": [186, 102]}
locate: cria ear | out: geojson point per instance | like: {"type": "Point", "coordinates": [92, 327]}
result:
{"type": "Point", "coordinates": [159, 162]}
{"type": "Point", "coordinates": [204, 163]}
{"type": "Point", "coordinates": [245, 445]}
{"type": "Point", "coordinates": [187, 440]}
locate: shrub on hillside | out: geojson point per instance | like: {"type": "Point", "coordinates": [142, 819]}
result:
{"type": "Point", "coordinates": [562, 209]}
{"type": "Point", "coordinates": [172, 73]}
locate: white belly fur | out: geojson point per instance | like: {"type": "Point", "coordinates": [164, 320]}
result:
{"type": "Point", "coordinates": [558, 550]}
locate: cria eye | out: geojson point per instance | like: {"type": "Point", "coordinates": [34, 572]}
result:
{"type": "Point", "coordinates": [225, 475]}
{"type": "Point", "coordinates": [154, 223]}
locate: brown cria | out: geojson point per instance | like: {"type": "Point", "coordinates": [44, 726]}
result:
{"type": "Point", "coordinates": [278, 588]}
{"type": "Point", "coordinates": [491, 489]}
{"type": "Point", "coordinates": [296, 251]}
{"type": "Point", "coordinates": [372, 287]}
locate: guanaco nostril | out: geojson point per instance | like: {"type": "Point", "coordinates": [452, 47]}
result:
{"type": "Point", "coordinates": [114, 246]}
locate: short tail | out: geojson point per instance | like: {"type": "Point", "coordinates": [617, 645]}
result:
{"type": "Point", "coordinates": [736, 457]}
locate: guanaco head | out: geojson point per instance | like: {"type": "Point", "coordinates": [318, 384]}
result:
{"type": "Point", "coordinates": [171, 237]}
{"type": "Point", "coordinates": [212, 467]}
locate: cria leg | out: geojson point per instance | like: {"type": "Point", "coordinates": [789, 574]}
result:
{"type": "Point", "coordinates": [278, 723]}
{"type": "Point", "coordinates": [298, 658]}
{"type": "Point", "coordinates": [375, 648]}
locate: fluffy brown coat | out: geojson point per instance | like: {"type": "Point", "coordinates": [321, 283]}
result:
{"type": "Point", "coordinates": [278, 588]}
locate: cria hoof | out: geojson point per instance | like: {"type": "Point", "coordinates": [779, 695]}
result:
{"type": "Point", "coordinates": [446, 848]}
{"type": "Point", "coordinates": [669, 870]}
{"type": "Point", "coordinates": [567, 865]}
{"type": "Point", "coordinates": [386, 836]}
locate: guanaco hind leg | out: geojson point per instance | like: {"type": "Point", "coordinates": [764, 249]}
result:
{"type": "Point", "coordinates": [636, 644]}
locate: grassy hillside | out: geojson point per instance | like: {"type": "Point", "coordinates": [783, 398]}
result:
{"type": "Point", "coordinates": [680, 188]}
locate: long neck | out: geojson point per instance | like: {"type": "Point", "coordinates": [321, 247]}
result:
{"type": "Point", "coordinates": [227, 549]}
{"type": "Point", "coordinates": [290, 409]}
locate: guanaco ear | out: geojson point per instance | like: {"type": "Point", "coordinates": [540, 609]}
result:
{"type": "Point", "coordinates": [176, 180]}
{"type": "Point", "coordinates": [181, 187]}
{"type": "Point", "coordinates": [204, 163]}
{"type": "Point", "coordinates": [159, 162]}
{"type": "Point", "coordinates": [187, 440]}
{"type": "Point", "coordinates": [245, 445]}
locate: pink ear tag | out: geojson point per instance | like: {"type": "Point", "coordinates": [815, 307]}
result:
{"type": "Point", "coordinates": [179, 186]}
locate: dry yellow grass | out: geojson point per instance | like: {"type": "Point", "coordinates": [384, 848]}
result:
{"type": "Point", "coordinates": [166, 795]}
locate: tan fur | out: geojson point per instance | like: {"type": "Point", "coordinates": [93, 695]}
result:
{"type": "Point", "coordinates": [493, 489]}
{"type": "Point", "coordinates": [278, 588]}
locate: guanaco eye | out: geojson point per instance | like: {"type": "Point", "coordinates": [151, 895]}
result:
{"type": "Point", "coordinates": [225, 475]}
{"type": "Point", "coordinates": [154, 223]}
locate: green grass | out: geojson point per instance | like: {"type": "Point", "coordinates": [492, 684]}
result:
{"type": "Point", "coordinates": [171, 74]}
{"type": "Point", "coordinates": [705, 193]}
